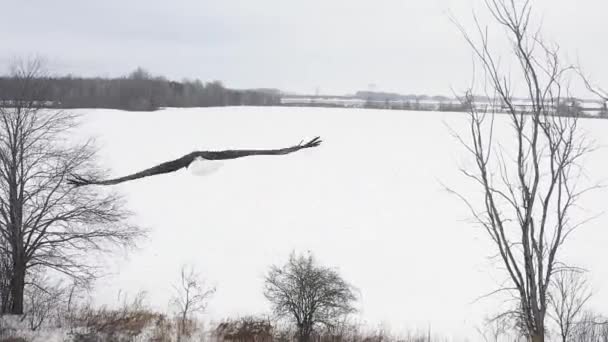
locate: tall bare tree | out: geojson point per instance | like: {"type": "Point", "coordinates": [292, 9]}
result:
{"type": "Point", "coordinates": [45, 223]}
{"type": "Point", "coordinates": [567, 299]}
{"type": "Point", "coordinates": [528, 182]}
{"type": "Point", "coordinates": [308, 294]}
{"type": "Point", "coordinates": [191, 297]}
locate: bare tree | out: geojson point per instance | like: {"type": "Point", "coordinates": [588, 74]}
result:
{"type": "Point", "coordinates": [44, 222]}
{"type": "Point", "coordinates": [191, 297]}
{"type": "Point", "coordinates": [568, 296]}
{"type": "Point", "coordinates": [529, 182]}
{"type": "Point", "coordinates": [496, 328]}
{"type": "Point", "coordinates": [590, 328]}
{"type": "Point", "coordinates": [308, 294]}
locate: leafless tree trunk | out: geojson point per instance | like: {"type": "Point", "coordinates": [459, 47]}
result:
{"type": "Point", "coordinates": [44, 222]}
{"type": "Point", "coordinates": [529, 183]}
{"type": "Point", "coordinates": [191, 296]}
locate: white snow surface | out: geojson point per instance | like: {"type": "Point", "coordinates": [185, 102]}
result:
{"type": "Point", "coordinates": [370, 201]}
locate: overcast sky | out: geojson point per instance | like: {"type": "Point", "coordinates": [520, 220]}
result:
{"type": "Point", "coordinates": [337, 46]}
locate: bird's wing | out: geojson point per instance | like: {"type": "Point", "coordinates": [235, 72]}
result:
{"type": "Point", "coordinates": [233, 154]}
{"type": "Point", "coordinates": [184, 161]}
{"type": "Point", "coordinates": [166, 167]}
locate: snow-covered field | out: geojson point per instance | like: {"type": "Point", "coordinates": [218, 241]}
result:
{"type": "Point", "coordinates": [369, 201]}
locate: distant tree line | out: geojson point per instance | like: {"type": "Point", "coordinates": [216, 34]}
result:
{"type": "Point", "coordinates": [139, 91]}
{"type": "Point", "coordinates": [381, 96]}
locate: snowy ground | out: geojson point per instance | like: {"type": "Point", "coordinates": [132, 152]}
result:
{"type": "Point", "coordinates": [369, 201]}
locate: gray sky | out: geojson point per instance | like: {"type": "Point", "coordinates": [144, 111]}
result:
{"type": "Point", "coordinates": [340, 46]}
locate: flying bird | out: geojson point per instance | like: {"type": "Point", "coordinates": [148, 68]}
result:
{"type": "Point", "coordinates": [185, 161]}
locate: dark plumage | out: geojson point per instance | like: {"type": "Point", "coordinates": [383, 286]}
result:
{"type": "Point", "coordinates": [186, 160]}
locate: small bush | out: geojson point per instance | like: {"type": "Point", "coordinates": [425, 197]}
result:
{"type": "Point", "coordinates": [116, 325]}
{"type": "Point", "coordinates": [245, 329]}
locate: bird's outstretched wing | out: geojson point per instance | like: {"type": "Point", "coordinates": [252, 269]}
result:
{"type": "Point", "coordinates": [184, 161]}
{"type": "Point", "coordinates": [166, 167]}
{"type": "Point", "coordinates": [233, 154]}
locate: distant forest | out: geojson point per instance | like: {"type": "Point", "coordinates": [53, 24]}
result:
{"type": "Point", "coordinates": [141, 91]}
{"type": "Point", "coordinates": [138, 91]}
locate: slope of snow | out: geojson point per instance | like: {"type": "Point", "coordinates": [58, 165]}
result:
{"type": "Point", "coordinates": [369, 201]}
